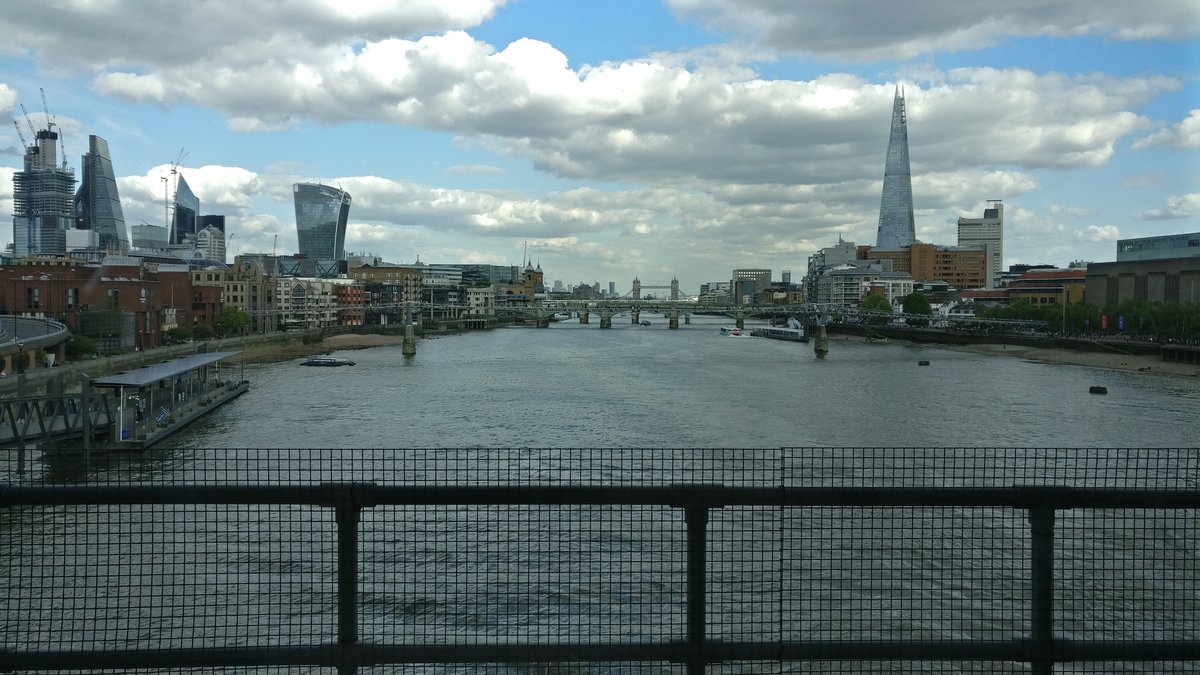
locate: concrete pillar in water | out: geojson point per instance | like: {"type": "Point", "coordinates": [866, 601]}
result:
{"type": "Point", "coordinates": [410, 337]}
{"type": "Point", "coordinates": [583, 316]}
{"type": "Point", "coordinates": [740, 321]}
{"type": "Point", "coordinates": [606, 318]}
{"type": "Point", "coordinates": [543, 318]}
{"type": "Point", "coordinates": [673, 318]}
{"type": "Point", "coordinates": [636, 316]}
{"type": "Point", "coordinates": [687, 319]}
{"type": "Point", "coordinates": [821, 341]}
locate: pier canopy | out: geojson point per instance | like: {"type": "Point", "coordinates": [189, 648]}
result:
{"type": "Point", "coordinates": [148, 375]}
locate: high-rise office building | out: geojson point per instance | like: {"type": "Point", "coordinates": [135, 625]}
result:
{"type": "Point", "coordinates": [321, 215]}
{"type": "Point", "coordinates": [43, 199]}
{"type": "Point", "coordinates": [97, 204]}
{"type": "Point", "coordinates": [897, 227]}
{"type": "Point", "coordinates": [187, 207]}
{"type": "Point", "coordinates": [986, 232]}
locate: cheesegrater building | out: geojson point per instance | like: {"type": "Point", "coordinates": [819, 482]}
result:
{"type": "Point", "coordinates": [97, 204]}
{"type": "Point", "coordinates": [321, 215]}
{"type": "Point", "coordinates": [896, 224]}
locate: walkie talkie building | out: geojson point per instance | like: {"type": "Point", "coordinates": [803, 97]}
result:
{"type": "Point", "coordinates": [897, 228]}
{"type": "Point", "coordinates": [321, 215]}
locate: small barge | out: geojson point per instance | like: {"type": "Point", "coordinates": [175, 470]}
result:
{"type": "Point", "coordinates": [327, 361]}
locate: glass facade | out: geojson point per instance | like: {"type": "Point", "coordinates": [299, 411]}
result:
{"type": "Point", "coordinates": [896, 223]}
{"type": "Point", "coordinates": [321, 216]}
{"type": "Point", "coordinates": [43, 200]}
{"type": "Point", "coordinates": [97, 204]}
{"type": "Point", "coordinates": [187, 207]}
{"type": "Point", "coordinates": [1159, 248]}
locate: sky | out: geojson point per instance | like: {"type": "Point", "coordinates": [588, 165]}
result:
{"type": "Point", "coordinates": [608, 140]}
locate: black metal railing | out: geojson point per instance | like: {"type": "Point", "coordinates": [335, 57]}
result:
{"type": "Point", "coordinates": [790, 522]}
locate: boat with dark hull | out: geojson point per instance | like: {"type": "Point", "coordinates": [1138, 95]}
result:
{"type": "Point", "coordinates": [327, 361]}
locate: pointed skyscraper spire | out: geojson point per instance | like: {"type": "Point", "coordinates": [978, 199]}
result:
{"type": "Point", "coordinates": [897, 227]}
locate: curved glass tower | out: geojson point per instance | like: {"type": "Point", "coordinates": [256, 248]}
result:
{"type": "Point", "coordinates": [896, 223]}
{"type": "Point", "coordinates": [97, 204]}
{"type": "Point", "coordinates": [321, 215]}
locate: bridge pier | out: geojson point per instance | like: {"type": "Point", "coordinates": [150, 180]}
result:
{"type": "Point", "coordinates": [409, 347]}
{"type": "Point", "coordinates": [583, 316]}
{"type": "Point", "coordinates": [543, 318]}
{"type": "Point", "coordinates": [673, 318]}
{"type": "Point", "coordinates": [821, 341]}
{"type": "Point", "coordinates": [687, 318]}
{"type": "Point", "coordinates": [606, 318]}
{"type": "Point", "coordinates": [636, 316]}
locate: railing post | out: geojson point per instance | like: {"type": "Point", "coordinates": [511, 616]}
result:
{"type": "Point", "coordinates": [697, 550]}
{"type": "Point", "coordinates": [1041, 527]}
{"type": "Point", "coordinates": [348, 515]}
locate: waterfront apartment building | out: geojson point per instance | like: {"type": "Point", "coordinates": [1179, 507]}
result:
{"type": "Point", "coordinates": [250, 287]}
{"type": "Point", "coordinates": [321, 216]}
{"type": "Point", "coordinates": [97, 204]}
{"type": "Point", "coordinates": [897, 227]}
{"type": "Point", "coordinates": [960, 267]}
{"type": "Point", "coordinates": [846, 285]}
{"type": "Point", "coordinates": [306, 303]}
{"type": "Point", "coordinates": [987, 233]}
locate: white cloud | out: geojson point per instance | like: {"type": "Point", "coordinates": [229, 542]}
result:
{"type": "Point", "coordinates": [868, 30]}
{"type": "Point", "coordinates": [1178, 206]}
{"type": "Point", "coordinates": [1098, 233]}
{"type": "Point", "coordinates": [1182, 136]}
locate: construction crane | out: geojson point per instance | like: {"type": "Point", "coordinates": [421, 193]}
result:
{"type": "Point", "coordinates": [24, 143]}
{"type": "Point", "coordinates": [28, 121]}
{"type": "Point", "coordinates": [175, 190]}
{"type": "Point", "coordinates": [52, 122]}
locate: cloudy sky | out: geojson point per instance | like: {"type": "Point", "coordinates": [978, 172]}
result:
{"type": "Point", "coordinates": [623, 138]}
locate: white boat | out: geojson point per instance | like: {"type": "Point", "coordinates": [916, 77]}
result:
{"type": "Point", "coordinates": [793, 332]}
{"type": "Point", "coordinates": [734, 331]}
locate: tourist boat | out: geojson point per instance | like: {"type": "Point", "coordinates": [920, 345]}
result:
{"type": "Point", "coordinates": [734, 331]}
{"type": "Point", "coordinates": [327, 361]}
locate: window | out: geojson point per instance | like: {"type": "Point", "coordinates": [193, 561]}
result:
{"type": "Point", "coordinates": [72, 297]}
{"type": "Point", "coordinates": [33, 298]}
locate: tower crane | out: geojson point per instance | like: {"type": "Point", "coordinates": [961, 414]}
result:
{"type": "Point", "coordinates": [28, 121]}
{"type": "Point", "coordinates": [52, 122]}
{"type": "Point", "coordinates": [174, 189]}
{"type": "Point", "coordinates": [24, 143]}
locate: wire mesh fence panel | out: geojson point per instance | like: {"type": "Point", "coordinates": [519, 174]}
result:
{"type": "Point", "coordinates": [885, 574]}
{"type": "Point", "coordinates": [1128, 574]}
{"type": "Point", "coordinates": [591, 549]}
{"type": "Point", "coordinates": [167, 576]}
{"type": "Point", "coordinates": [525, 574]}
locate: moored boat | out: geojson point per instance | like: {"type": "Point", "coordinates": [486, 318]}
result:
{"type": "Point", "coordinates": [327, 361]}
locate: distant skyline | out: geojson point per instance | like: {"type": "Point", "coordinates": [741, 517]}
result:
{"type": "Point", "coordinates": [627, 138]}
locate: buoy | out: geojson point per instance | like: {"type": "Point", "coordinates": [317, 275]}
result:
{"type": "Point", "coordinates": [922, 363]}
{"type": "Point", "coordinates": [1098, 390]}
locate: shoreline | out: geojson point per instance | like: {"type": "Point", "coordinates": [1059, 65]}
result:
{"type": "Point", "coordinates": [1127, 362]}
{"type": "Point", "coordinates": [276, 352]}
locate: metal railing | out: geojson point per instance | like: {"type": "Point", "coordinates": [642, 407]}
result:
{"type": "Point", "coordinates": [476, 560]}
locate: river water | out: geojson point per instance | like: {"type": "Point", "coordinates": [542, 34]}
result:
{"type": "Point", "coordinates": [631, 405]}
{"type": "Point", "coordinates": [574, 385]}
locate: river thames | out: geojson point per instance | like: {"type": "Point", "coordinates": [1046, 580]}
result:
{"type": "Point", "coordinates": [574, 385]}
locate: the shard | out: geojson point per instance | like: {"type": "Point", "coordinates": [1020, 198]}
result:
{"type": "Point", "coordinates": [896, 225]}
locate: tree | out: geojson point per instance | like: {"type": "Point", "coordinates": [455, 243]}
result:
{"type": "Point", "coordinates": [876, 303]}
{"type": "Point", "coordinates": [178, 334]}
{"type": "Point", "coordinates": [917, 303]}
{"type": "Point", "coordinates": [79, 346]}
{"type": "Point", "coordinates": [203, 331]}
{"type": "Point", "coordinates": [233, 321]}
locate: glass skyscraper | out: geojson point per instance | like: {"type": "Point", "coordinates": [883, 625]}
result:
{"type": "Point", "coordinates": [897, 228]}
{"type": "Point", "coordinates": [187, 207]}
{"type": "Point", "coordinates": [321, 216]}
{"type": "Point", "coordinates": [43, 200]}
{"type": "Point", "coordinates": [97, 205]}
